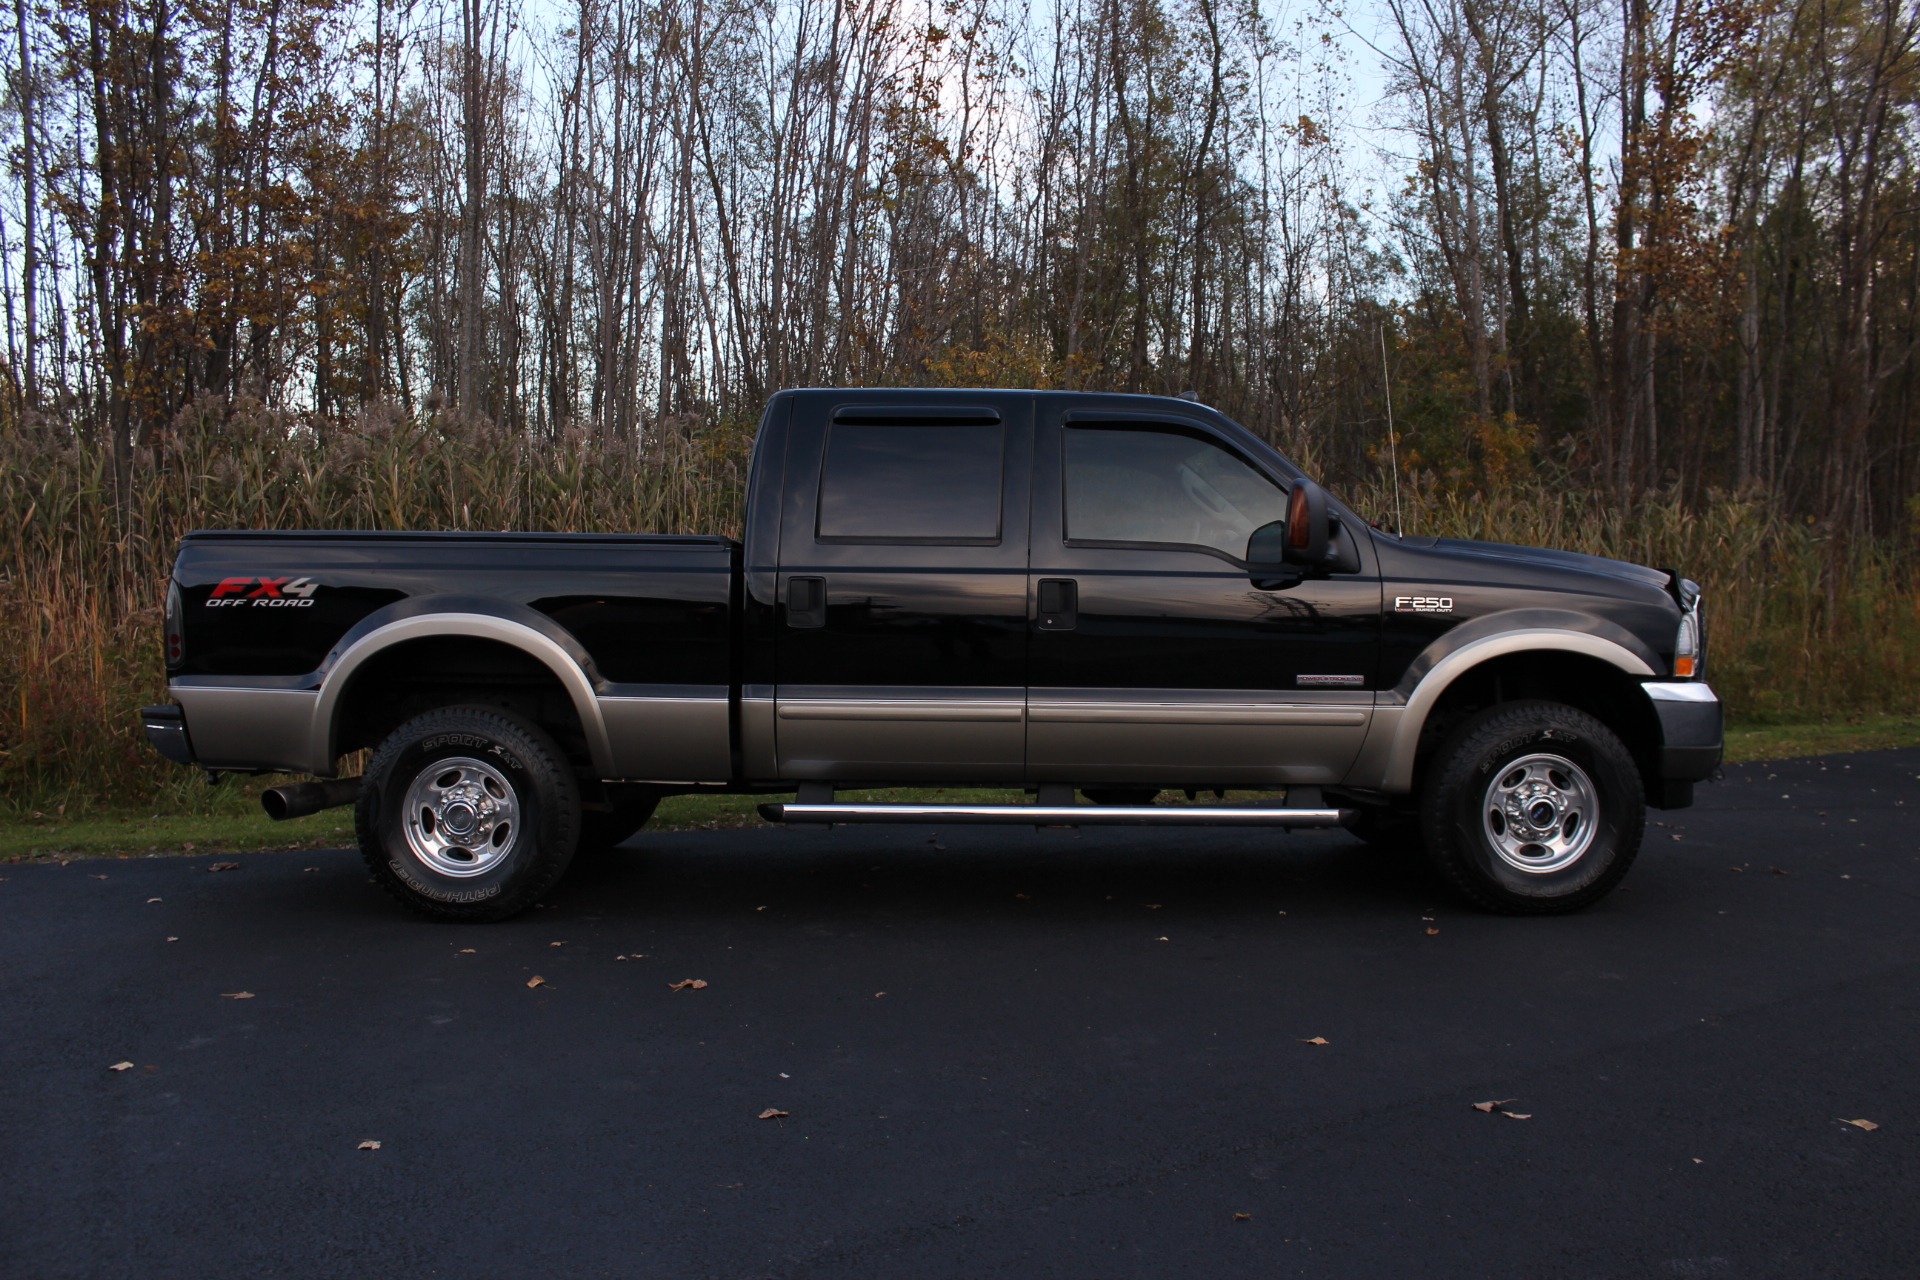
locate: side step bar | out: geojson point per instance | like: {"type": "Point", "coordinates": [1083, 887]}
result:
{"type": "Point", "coordinates": [1068, 815]}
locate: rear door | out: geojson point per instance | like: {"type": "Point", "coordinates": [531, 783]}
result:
{"type": "Point", "coordinates": [902, 636]}
{"type": "Point", "coordinates": [1156, 658]}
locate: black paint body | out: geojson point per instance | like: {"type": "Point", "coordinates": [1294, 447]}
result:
{"type": "Point", "coordinates": [653, 610]}
{"type": "Point", "coordinates": [830, 593]}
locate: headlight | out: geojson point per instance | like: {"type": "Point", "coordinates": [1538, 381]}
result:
{"type": "Point", "coordinates": [1689, 654]}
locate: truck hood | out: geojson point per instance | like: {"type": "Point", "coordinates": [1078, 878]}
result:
{"type": "Point", "coordinates": [1557, 561]}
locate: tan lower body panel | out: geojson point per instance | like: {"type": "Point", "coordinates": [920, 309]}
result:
{"type": "Point", "coordinates": [669, 734]}
{"type": "Point", "coordinates": [239, 728]}
{"type": "Point", "coordinates": [932, 735]}
{"type": "Point", "coordinates": [1205, 737]}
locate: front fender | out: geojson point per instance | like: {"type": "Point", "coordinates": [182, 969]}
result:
{"type": "Point", "coordinates": [1386, 761]}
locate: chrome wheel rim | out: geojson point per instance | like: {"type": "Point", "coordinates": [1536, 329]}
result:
{"type": "Point", "coordinates": [461, 816]}
{"type": "Point", "coordinates": [1540, 813]}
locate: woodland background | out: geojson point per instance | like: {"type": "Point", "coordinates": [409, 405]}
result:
{"type": "Point", "coordinates": [1640, 277]}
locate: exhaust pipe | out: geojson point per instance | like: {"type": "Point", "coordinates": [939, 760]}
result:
{"type": "Point", "coordinates": [302, 798]}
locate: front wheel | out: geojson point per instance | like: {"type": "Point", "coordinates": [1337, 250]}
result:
{"type": "Point", "coordinates": [1533, 808]}
{"type": "Point", "coordinates": [468, 813]}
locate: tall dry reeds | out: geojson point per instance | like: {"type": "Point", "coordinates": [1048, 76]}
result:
{"type": "Point", "coordinates": [1800, 627]}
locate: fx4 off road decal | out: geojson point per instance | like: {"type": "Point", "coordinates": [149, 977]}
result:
{"type": "Point", "coordinates": [263, 593]}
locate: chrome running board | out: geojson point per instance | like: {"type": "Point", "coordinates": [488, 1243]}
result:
{"type": "Point", "coordinates": [1069, 815]}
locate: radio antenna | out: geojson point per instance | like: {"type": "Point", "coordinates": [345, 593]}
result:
{"type": "Point", "coordinates": [1393, 450]}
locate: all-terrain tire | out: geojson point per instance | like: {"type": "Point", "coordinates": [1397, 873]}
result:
{"type": "Point", "coordinates": [1533, 808]}
{"type": "Point", "coordinates": [468, 813]}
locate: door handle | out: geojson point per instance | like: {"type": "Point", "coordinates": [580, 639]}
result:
{"type": "Point", "coordinates": [806, 602]}
{"type": "Point", "coordinates": [1059, 604]}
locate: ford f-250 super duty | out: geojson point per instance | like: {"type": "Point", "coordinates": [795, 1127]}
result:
{"type": "Point", "coordinates": [1064, 592]}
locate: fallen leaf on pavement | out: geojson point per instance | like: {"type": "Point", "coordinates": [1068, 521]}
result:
{"type": "Point", "coordinates": [464, 951]}
{"type": "Point", "coordinates": [1153, 906]}
{"type": "Point", "coordinates": [536, 981]}
{"type": "Point", "coordinates": [173, 939]}
{"type": "Point", "coordinates": [688, 984]}
{"type": "Point", "coordinates": [1317, 1040]}
{"type": "Point", "coordinates": [222, 866]}
{"type": "Point", "coordinates": [121, 1066]}
{"type": "Point", "coordinates": [92, 876]}
{"type": "Point", "coordinates": [1243, 1217]}
{"type": "Point", "coordinates": [1779, 871]}
{"type": "Point", "coordinates": [1868, 1125]}
{"type": "Point", "coordinates": [304, 870]}
{"type": "Point", "coordinates": [1161, 938]}
{"type": "Point", "coordinates": [557, 944]}
{"type": "Point", "coordinates": [772, 1114]}
{"type": "Point", "coordinates": [1433, 933]}
{"type": "Point", "coordinates": [878, 994]}
{"type": "Point", "coordinates": [369, 1144]}
{"type": "Point", "coordinates": [1488, 1107]}
{"type": "Point", "coordinates": [1516, 1115]}
{"type": "Point", "coordinates": [236, 995]}
{"type": "Point", "coordinates": [1021, 897]}
{"type": "Point", "coordinates": [151, 901]}
{"type": "Point", "coordinates": [1698, 1160]}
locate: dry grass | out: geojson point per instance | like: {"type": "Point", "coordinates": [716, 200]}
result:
{"type": "Point", "coordinates": [1801, 629]}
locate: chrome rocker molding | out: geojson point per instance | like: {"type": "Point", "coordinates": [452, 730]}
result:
{"type": "Point", "coordinates": [1078, 815]}
{"type": "Point", "coordinates": [1386, 761]}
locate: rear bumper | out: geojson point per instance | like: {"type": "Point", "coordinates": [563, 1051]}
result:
{"type": "Point", "coordinates": [167, 730]}
{"type": "Point", "coordinates": [1692, 732]}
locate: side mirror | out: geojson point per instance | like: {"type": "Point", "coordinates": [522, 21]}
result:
{"type": "Point", "coordinates": [1285, 549]}
{"type": "Point", "coordinates": [1306, 524]}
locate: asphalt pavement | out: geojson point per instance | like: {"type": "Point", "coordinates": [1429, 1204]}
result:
{"type": "Point", "coordinates": [994, 1053]}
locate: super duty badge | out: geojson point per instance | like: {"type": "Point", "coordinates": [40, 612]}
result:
{"type": "Point", "coordinates": [1423, 604]}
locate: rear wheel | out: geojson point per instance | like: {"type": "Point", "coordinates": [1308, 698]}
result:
{"type": "Point", "coordinates": [1533, 808]}
{"type": "Point", "coordinates": [468, 813]}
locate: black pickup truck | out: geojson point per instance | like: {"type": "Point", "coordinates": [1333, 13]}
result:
{"type": "Point", "coordinates": [1096, 598]}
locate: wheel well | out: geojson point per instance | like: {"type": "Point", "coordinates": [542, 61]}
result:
{"type": "Point", "coordinates": [1591, 685]}
{"type": "Point", "coordinates": [416, 676]}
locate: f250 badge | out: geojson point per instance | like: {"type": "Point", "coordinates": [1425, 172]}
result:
{"type": "Point", "coordinates": [1423, 604]}
{"type": "Point", "coordinates": [263, 593]}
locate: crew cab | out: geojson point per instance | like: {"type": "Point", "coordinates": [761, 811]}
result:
{"type": "Point", "coordinates": [1099, 599]}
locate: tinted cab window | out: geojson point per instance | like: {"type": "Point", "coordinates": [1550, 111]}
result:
{"type": "Point", "coordinates": [1163, 488]}
{"type": "Point", "coordinates": [912, 483]}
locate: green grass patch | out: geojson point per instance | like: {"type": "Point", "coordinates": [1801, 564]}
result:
{"type": "Point", "coordinates": [193, 835]}
{"type": "Point", "coordinates": [1829, 737]}
{"type": "Point", "coordinates": [228, 819]}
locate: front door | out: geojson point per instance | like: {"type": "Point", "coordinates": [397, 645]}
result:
{"type": "Point", "coordinates": [1155, 657]}
{"type": "Point", "coordinates": [902, 643]}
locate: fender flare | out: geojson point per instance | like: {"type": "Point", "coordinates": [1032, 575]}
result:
{"type": "Point", "coordinates": [567, 667]}
{"type": "Point", "coordinates": [1445, 667]}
